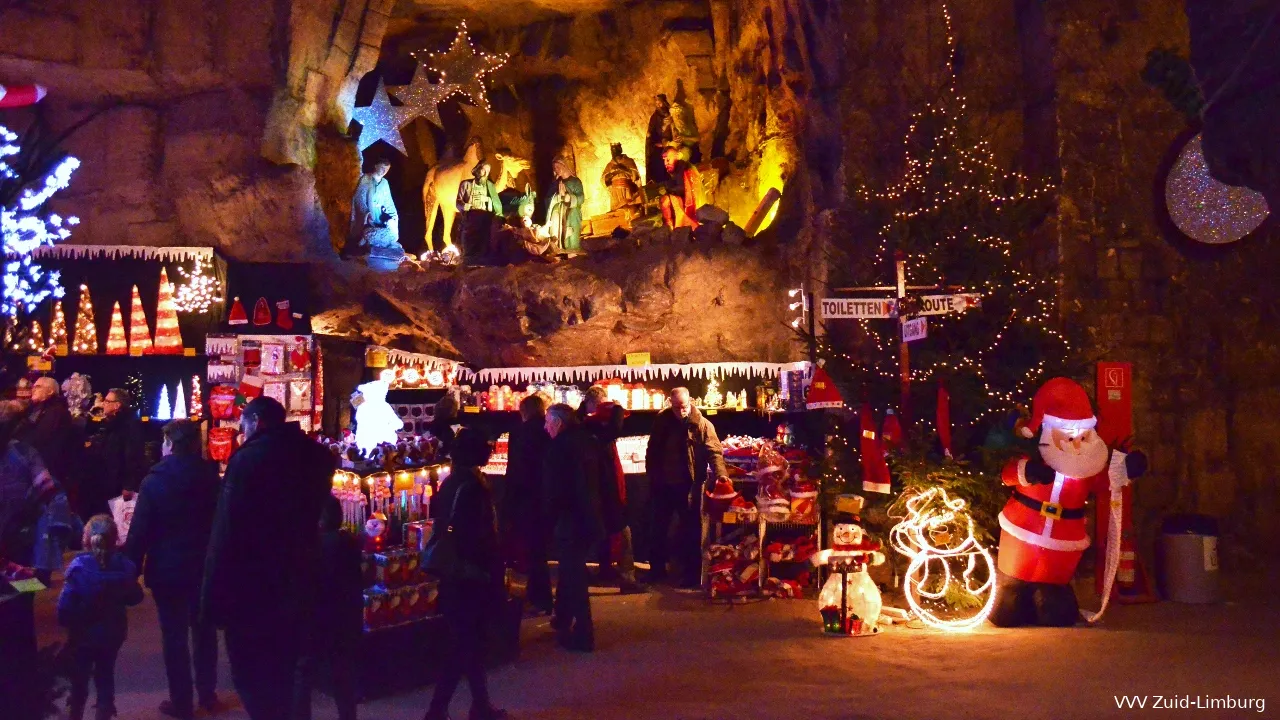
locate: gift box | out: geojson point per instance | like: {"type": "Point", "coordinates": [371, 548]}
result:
{"type": "Point", "coordinates": [377, 609]}
{"type": "Point", "coordinates": [417, 534]}
{"type": "Point", "coordinates": [388, 569]}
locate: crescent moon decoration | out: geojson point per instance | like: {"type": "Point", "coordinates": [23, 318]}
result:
{"type": "Point", "coordinates": [1205, 209]}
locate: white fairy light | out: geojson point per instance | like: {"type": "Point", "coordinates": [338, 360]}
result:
{"type": "Point", "coordinates": [199, 292]}
{"type": "Point", "coordinates": [23, 229]}
{"type": "Point", "coordinates": [936, 532]}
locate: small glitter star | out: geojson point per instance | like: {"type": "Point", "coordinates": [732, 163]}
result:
{"type": "Point", "coordinates": [1207, 210]}
{"type": "Point", "coordinates": [465, 68]}
{"type": "Point", "coordinates": [380, 120]}
{"type": "Point", "coordinates": [422, 97]}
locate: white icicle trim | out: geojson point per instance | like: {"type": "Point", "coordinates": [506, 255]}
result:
{"type": "Point", "coordinates": [116, 252]}
{"type": "Point", "coordinates": [592, 373]}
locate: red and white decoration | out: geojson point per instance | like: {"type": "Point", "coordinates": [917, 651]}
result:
{"type": "Point", "coordinates": [15, 96]}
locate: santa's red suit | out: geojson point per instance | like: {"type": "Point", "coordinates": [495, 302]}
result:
{"type": "Point", "coordinates": [1043, 525]}
{"type": "Point", "coordinates": [1043, 533]}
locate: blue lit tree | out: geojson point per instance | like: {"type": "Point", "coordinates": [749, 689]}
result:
{"type": "Point", "coordinates": [32, 169]}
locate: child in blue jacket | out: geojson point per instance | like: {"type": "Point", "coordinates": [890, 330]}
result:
{"type": "Point", "coordinates": [97, 587]}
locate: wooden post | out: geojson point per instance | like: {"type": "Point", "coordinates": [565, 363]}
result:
{"type": "Point", "coordinates": [905, 361]}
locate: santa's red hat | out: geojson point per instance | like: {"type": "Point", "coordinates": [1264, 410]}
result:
{"type": "Point", "coordinates": [822, 392]}
{"type": "Point", "coordinates": [1061, 403]}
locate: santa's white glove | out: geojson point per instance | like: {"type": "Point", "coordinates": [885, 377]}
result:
{"type": "Point", "coordinates": [1118, 472]}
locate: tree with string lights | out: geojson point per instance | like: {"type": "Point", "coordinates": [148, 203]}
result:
{"type": "Point", "coordinates": [31, 171]}
{"type": "Point", "coordinates": [962, 224]}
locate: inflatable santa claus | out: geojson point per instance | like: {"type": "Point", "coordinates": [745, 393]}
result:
{"type": "Point", "coordinates": [1042, 531]}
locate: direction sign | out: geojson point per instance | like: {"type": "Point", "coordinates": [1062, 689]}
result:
{"type": "Point", "coordinates": [915, 329]}
{"type": "Point", "coordinates": [944, 304]}
{"type": "Point", "coordinates": [859, 308]}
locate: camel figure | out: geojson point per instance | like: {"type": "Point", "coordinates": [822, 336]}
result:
{"type": "Point", "coordinates": [440, 190]}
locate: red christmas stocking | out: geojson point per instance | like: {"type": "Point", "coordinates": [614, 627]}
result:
{"type": "Point", "coordinates": [284, 319]}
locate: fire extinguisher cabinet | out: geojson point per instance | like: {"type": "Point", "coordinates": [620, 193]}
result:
{"type": "Point", "coordinates": [1189, 562]}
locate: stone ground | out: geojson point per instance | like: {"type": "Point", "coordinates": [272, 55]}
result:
{"type": "Point", "coordinates": [672, 655]}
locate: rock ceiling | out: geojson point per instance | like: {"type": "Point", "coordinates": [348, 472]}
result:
{"type": "Point", "coordinates": [495, 14]}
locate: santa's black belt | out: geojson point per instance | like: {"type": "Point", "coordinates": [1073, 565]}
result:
{"type": "Point", "coordinates": [1053, 511]}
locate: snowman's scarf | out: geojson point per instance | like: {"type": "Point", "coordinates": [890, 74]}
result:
{"type": "Point", "coordinates": [1119, 478]}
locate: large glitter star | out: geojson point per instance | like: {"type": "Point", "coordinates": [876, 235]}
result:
{"type": "Point", "coordinates": [380, 120]}
{"type": "Point", "coordinates": [422, 98]}
{"type": "Point", "coordinates": [465, 68]}
{"type": "Point", "coordinates": [1205, 209]}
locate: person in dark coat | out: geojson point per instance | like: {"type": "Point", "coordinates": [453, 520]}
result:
{"type": "Point", "coordinates": [682, 445]}
{"type": "Point", "coordinates": [49, 428]}
{"type": "Point", "coordinates": [523, 513]}
{"type": "Point", "coordinates": [168, 539]}
{"type": "Point", "coordinates": [339, 617]}
{"type": "Point", "coordinates": [464, 507]}
{"type": "Point", "coordinates": [617, 556]}
{"type": "Point", "coordinates": [443, 419]}
{"type": "Point", "coordinates": [572, 473]}
{"type": "Point", "coordinates": [98, 586]}
{"type": "Point", "coordinates": [259, 580]}
{"type": "Point", "coordinates": [25, 487]}
{"type": "Point", "coordinates": [116, 454]}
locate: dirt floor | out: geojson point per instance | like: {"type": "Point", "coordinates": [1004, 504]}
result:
{"type": "Point", "coordinates": [673, 655]}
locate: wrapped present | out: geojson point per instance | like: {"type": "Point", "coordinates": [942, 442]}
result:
{"type": "Point", "coordinates": [417, 534]}
{"type": "Point", "coordinates": [389, 569]}
{"type": "Point", "coordinates": [377, 609]}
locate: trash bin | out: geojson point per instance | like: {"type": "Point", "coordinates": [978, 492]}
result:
{"type": "Point", "coordinates": [1189, 560]}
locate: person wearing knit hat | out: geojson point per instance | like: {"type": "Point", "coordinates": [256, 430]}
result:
{"type": "Point", "coordinates": [1042, 528]}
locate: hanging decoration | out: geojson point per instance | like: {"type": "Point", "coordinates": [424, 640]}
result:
{"type": "Point", "coordinates": [15, 96]}
{"type": "Point", "coordinates": [875, 471]}
{"type": "Point", "coordinates": [26, 225]}
{"type": "Point", "coordinates": [422, 97]}
{"type": "Point", "coordinates": [168, 336]}
{"type": "Point", "coordinates": [163, 410]}
{"type": "Point", "coordinates": [822, 391]}
{"type": "Point", "coordinates": [380, 120]}
{"type": "Point", "coordinates": [139, 333]}
{"type": "Point", "coordinates": [179, 405]}
{"type": "Point", "coordinates": [197, 399]}
{"type": "Point", "coordinates": [86, 340]}
{"type": "Point", "coordinates": [591, 373]}
{"type": "Point", "coordinates": [466, 67]}
{"type": "Point", "coordinates": [58, 329]}
{"type": "Point", "coordinates": [199, 291]}
{"type": "Point", "coordinates": [1205, 209]}
{"type": "Point", "coordinates": [237, 315]}
{"type": "Point", "coordinates": [951, 581]}
{"type": "Point", "coordinates": [117, 344]}
{"type": "Point", "coordinates": [261, 312]}
{"type": "Point", "coordinates": [174, 254]}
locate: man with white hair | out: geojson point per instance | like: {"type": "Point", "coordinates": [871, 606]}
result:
{"type": "Point", "coordinates": [50, 430]}
{"type": "Point", "coordinates": [682, 445]}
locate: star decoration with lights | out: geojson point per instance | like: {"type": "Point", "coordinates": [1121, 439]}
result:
{"type": "Point", "coordinates": [464, 67]}
{"type": "Point", "coordinates": [380, 120]}
{"type": "Point", "coordinates": [422, 97]}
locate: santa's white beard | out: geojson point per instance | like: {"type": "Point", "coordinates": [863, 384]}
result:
{"type": "Point", "coordinates": [1087, 461]}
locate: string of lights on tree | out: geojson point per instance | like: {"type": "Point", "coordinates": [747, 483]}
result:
{"type": "Point", "coordinates": [957, 218]}
{"type": "Point", "coordinates": [25, 225]}
{"type": "Point", "coordinates": [199, 290]}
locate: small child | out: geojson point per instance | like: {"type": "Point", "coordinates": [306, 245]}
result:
{"type": "Point", "coordinates": [97, 587]}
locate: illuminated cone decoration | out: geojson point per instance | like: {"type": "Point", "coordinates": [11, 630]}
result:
{"type": "Point", "coordinates": [822, 392]}
{"type": "Point", "coordinates": [168, 336]}
{"type": "Point", "coordinates": [58, 330]}
{"type": "Point", "coordinates": [35, 338]}
{"type": "Point", "coordinates": [163, 410]}
{"type": "Point", "coordinates": [180, 405]}
{"type": "Point", "coordinates": [139, 333]}
{"type": "Point", "coordinates": [117, 344]}
{"type": "Point", "coordinates": [197, 400]}
{"type": "Point", "coordinates": [86, 341]}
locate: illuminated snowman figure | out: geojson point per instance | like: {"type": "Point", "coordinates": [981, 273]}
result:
{"type": "Point", "coordinates": [376, 421]}
{"type": "Point", "coordinates": [850, 602]}
{"type": "Point", "coordinates": [947, 562]}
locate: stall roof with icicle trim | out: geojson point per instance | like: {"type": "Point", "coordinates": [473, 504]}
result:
{"type": "Point", "coordinates": [591, 373]}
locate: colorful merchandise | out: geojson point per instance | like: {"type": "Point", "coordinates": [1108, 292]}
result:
{"type": "Point", "coordinates": [261, 312]}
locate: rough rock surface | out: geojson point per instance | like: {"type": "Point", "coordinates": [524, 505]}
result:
{"type": "Point", "coordinates": [680, 303]}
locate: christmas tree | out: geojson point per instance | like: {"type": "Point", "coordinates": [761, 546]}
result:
{"type": "Point", "coordinates": [180, 405]}
{"type": "Point", "coordinates": [163, 411]}
{"type": "Point", "coordinates": [86, 332]}
{"type": "Point", "coordinates": [139, 333]}
{"type": "Point", "coordinates": [168, 336]}
{"type": "Point", "coordinates": [58, 330]}
{"type": "Point", "coordinates": [197, 400]}
{"type": "Point", "coordinates": [31, 171]}
{"type": "Point", "coordinates": [35, 338]}
{"type": "Point", "coordinates": [116, 342]}
{"type": "Point", "coordinates": [962, 225]}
